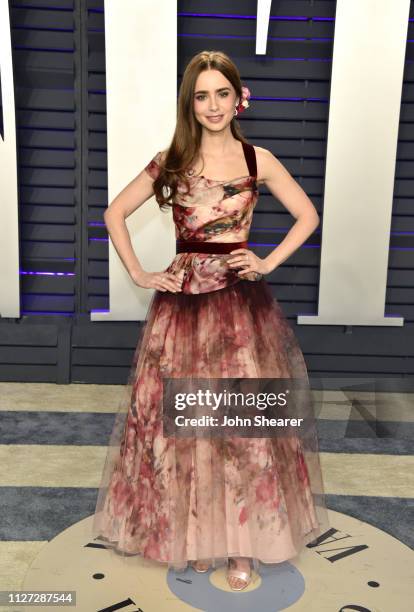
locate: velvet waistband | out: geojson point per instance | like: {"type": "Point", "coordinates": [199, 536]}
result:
{"type": "Point", "coordinates": [188, 246]}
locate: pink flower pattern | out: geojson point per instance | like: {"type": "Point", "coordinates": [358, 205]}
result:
{"type": "Point", "coordinates": [171, 499]}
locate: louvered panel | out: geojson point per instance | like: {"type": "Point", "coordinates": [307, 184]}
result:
{"type": "Point", "coordinates": [46, 195]}
{"type": "Point", "coordinates": [100, 356]}
{"type": "Point", "coordinates": [101, 335]}
{"type": "Point", "coordinates": [46, 120]}
{"type": "Point", "coordinates": [47, 214]}
{"type": "Point", "coordinates": [47, 177]}
{"type": "Point", "coordinates": [31, 250]}
{"type": "Point", "coordinates": [46, 284]}
{"type": "Point", "coordinates": [43, 57]}
{"type": "Point", "coordinates": [369, 365]}
{"type": "Point", "coordinates": [97, 375]}
{"type": "Point", "coordinates": [42, 232]}
{"type": "Point", "coordinates": [58, 142]}
{"type": "Point", "coordinates": [26, 335]}
{"type": "Point", "coordinates": [217, 26]}
{"type": "Point", "coordinates": [57, 5]}
{"type": "Point", "coordinates": [288, 8]}
{"type": "Point", "coordinates": [35, 302]}
{"type": "Point", "coordinates": [38, 158]}
{"type": "Point", "coordinates": [98, 178]}
{"type": "Point", "coordinates": [46, 62]}
{"type": "Point", "coordinates": [97, 269]}
{"type": "Point", "coordinates": [39, 40]}
{"type": "Point", "coordinates": [97, 194]}
{"type": "Point", "coordinates": [99, 286]}
{"type": "Point", "coordinates": [21, 356]}
{"type": "Point", "coordinates": [30, 344]}
{"type": "Point", "coordinates": [30, 373]}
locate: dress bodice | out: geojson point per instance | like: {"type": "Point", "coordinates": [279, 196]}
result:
{"type": "Point", "coordinates": [218, 211]}
{"type": "Point", "coordinates": [211, 211]}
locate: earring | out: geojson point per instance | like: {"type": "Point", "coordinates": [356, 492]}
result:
{"type": "Point", "coordinates": [236, 112]}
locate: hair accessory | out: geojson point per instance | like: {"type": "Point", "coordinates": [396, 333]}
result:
{"type": "Point", "coordinates": [243, 104]}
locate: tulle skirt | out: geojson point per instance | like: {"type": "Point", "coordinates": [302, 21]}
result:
{"type": "Point", "coordinates": [172, 500]}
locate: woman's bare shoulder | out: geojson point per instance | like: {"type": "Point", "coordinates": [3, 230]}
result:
{"type": "Point", "coordinates": [262, 154]}
{"type": "Point", "coordinates": [263, 158]}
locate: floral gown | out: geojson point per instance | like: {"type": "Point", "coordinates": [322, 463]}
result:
{"type": "Point", "coordinates": [176, 500]}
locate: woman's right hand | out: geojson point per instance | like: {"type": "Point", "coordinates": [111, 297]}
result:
{"type": "Point", "coordinates": [163, 281]}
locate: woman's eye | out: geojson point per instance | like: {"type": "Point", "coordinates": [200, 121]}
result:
{"type": "Point", "coordinates": [224, 94]}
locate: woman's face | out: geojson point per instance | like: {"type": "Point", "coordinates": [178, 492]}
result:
{"type": "Point", "coordinates": [214, 100]}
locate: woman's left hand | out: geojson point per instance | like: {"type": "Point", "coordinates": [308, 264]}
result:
{"type": "Point", "coordinates": [248, 262]}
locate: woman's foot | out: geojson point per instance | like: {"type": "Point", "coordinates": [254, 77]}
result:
{"type": "Point", "coordinates": [238, 573]}
{"type": "Point", "coordinates": [200, 566]}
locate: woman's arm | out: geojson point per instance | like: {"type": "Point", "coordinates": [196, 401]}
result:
{"type": "Point", "coordinates": [284, 187]}
{"type": "Point", "coordinates": [134, 195]}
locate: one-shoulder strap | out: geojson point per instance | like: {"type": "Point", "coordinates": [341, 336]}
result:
{"type": "Point", "coordinates": [250, 155]}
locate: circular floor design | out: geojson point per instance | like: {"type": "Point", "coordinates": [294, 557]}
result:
{"type": "Point", "coordinates": [356, 567]}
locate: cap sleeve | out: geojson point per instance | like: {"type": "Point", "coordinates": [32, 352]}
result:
{"type": "Point", "coordinates": [153, 168]}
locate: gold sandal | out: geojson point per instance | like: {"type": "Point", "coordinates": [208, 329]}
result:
{"type": "Point", "coordinates": [241, 574]}
{"type": "Point", "coordinates": [199, 571]}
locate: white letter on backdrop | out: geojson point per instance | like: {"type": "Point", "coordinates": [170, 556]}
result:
{"type": "Point", "coordinates": [9, 226]}
{"type": "Point", "coordinates": [365, 100]}
{"type": "Point", "coordinates": [141, 98]}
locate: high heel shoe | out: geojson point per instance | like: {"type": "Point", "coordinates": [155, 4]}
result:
{"type": "Point", "coordinates": [236, 573]}
{"type": "Point", "coordinates": [199, 571]}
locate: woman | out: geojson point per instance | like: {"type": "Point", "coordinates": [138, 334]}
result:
{"type": "Point", "coordinates": [210, 500]}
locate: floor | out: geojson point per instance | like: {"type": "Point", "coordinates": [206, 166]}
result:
{"type": "Point", "coordinates": [53, 444]}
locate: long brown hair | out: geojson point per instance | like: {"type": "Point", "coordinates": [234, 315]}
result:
{"type": "Point", "coordinates": [186, 140]}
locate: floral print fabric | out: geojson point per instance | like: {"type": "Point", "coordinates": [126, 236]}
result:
{"type": "Point", "coordinates": [172, 500]}
{"type": "Point", "coordinates": [214, 211]}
